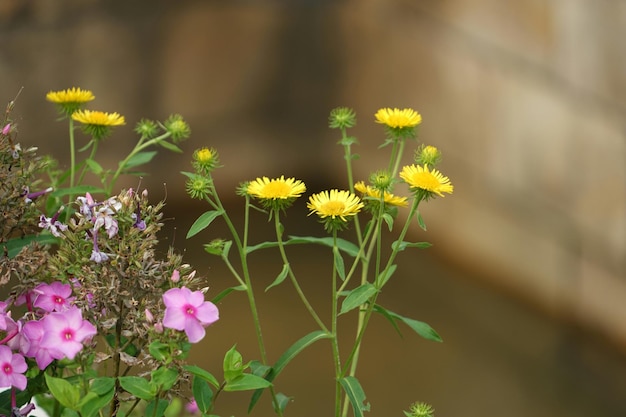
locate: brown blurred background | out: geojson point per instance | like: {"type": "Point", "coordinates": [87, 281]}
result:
{"type": "Point", "coordinates": [526, 282]}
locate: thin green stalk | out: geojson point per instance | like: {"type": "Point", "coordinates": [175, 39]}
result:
{"type": "Point", "coordinates": [141, 145]}
{"type": "Point", "coordinates": [398, 158]}
{"type": "Point", "coordinates": [92, 155]}
{"type": "Point", "coordinates": [292, 276]}
{"type": "Point", "coordinates": [348, 157]}
{"type": "Point", "coordinates": [333, 330]}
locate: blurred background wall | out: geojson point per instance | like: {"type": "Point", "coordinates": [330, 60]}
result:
{"type": "Point", "coordinates": [527, 278]}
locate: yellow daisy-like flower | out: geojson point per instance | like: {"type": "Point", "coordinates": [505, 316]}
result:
{"type": "Point", "coordinates": [430, 182]}
{"type": "Point", "coordinates": [98, 124]}
{"type": "Point", "coordinates": [389, 199]}
{"type": "Point", "coordinates": [279, 188]}
{"type": "Point", "coordinates": [205, 160]}
{"type": "Point", "coordinates": [335, 204]}
{"type": "Point", "coordinates": [70, 100]}
{"type": "Point", "coordinates": [398, 119]}
{"type": "Point", "coordinates": [71, 95]}
{"type": "Point", "coordinates": [278, 193]}
{"type": "Point", "coordinates": [99, 118]}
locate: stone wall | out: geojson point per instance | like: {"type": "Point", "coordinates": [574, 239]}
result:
{"type": "Point", "coordinates": [525, 99]}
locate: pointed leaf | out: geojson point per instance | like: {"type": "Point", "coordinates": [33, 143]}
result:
{"type": "Point", "coordinates": [64, 392]}
{"type": "Point", "coordinates": [15, 245]}
{"type": "Point", "coordinates": [357, 297]}
{"type": "Point", "coordinates": [280, 278]}
{"type": "Point", "coordinates": [385, 275]}
{"type": "Point", "coordinates": [203, 222]}
{"type": "Point", "coordinates": [339, 266]}
{"type": "Point", "coordinates": [233, 364]}
{"type": "Point", "coordinates": [139, 387]}
{"type": "Point", "coordinates": [202, 393]}
{"type": "Point", "coordinates": [420, 221]}
{"type": "Point", "coordinates": [94, 167]}
{"type": "Point", "coordinates": [92, 402]}
{"type": "Point", "coordinates": [286, 357]}
{"type": "Point", "coordinates": [201, 373]}
{"type": "Point", "coordinates": [139, 158]}
{"type": "Point", "coordinates": [156, 408]}
{"type": "Point", "coordinates": [403, 245]}
{"type": "Point", "coordinates": [78, 190]}
{"type": "Point", "coordinates": [170, 146]}
{"type": "Point", "coordinates": [419, 327]}
{"type": "Point", "coordinates": [246, 382]}
{"type": "Point", "coordinates": [164, 378]}
{"type": "Point", "coordinates": [227, 291]}
{"type": "Point", "coordinates": [355, 394]}
{"type": "Point", "coordinates": [381, 310]}
{"type": "Point", "coordinates": [344, 245]}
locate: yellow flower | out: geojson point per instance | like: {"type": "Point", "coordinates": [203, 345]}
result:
{"type": "Point", "coordinates": [99, 118]}
{"type": "Point", "coordinates": [428, 155]}
{"type": "Point", "coordinates": [204, 155]}
{"type": "Point", "coordinates": [398, 119]}
{"type": "Point", "coordinates": [390, 199]}
{"type": "Point", "coordinates": [71, 95]}
{"type": "Point", "coordinates": [70, 100]}
{"type": "Point", "coordinates": [334, 204]}
{"type": "Point", "coordinates": [98, 124]}
{"type": "Point", "coordinates": [205, 160]}
{"type": "Point", "coordinates": [276, 194]}
{"type": "Point", "coordinates": [431, 182]}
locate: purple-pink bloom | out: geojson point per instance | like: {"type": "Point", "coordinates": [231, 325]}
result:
{"type": "Point", "coordinates": [30, 346]}
{"type": "Point", "coordinates": [65, 332]}
{"type": "Point", "coordinates": [12, 368]}
{"type": "Point", "coordinates": [6, 129]}
{"type": "Point", "coordinates": [192, 407]}
{"type": "Point", "coordinates": [54, 296]}
{"type": "Point", "coordinates": [186, 310]}
{"type": "Point", "coordinates": [52, 223]}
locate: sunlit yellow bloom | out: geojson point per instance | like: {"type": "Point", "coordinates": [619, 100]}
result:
{"type": "Point", "coordinates": [335, 204]}
{"type": "Point", "coordinates": [421, 178]}
{"type": "Point", "coordinates": [390, 199]}
{"type": "Point", "coordinates": [279, 188]}
{"type": "Point", "coordinates": [71, 95]}
{"type": "Point", "coordinates": [396, 118]}
{"type": "Point", "coordinates": [98, 118]}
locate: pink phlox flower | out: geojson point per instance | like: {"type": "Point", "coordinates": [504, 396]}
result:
{"type": "Point", "coordinates": [52, 224]}
{"type": "Point", "coordinates": [33, 332]}
{"type": "Point", "coordinates": [53, 297]}
{"type": "Point", "coordinates": [12, 368]}
{"type": "Point", "coordinates": [3, 314]}
{"type": "Point", "coordinates": [104, 216]}
{"type": "Point", "coordinates": [65, 332]}
{"type": "Point", "coordinates": [10, 328]}
{"type": "Point", "coordinates": [6, 129]}
{"type": "Point", "coordinates": [175, 276]}
{"type": "Point", "coordinates": [186, 310]}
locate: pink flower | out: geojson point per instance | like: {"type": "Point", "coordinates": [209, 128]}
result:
{"type": "Point", "coordinates": [31, 344]}
{"type": "Point", "coordinates": [187, 310]}
{"type": "Point", "coordinates": [53, 297]}
{"type": "Point", "coordinates": [192, 407]}
{"type": "Point", "coordinates": [12, 368]}
{"type": "Point", "coordinates": [64, 332]}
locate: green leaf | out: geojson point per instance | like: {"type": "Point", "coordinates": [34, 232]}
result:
{"type": "Point", "coordinates": [203, 374]}
{"type": "Point", "coordinates": [203, 222]}
{"type": "Point", "coordinates": [15, 245]}
{"type": "Point", "coordinates": [156, 408]}
{"type": "Point", "coordinates": [346, 246]}
{"type": "Point", "coordinates": [280, 278]}
{"type": "Point", "coordinates": [227, 291]}
{"type": "Point", "coordinates": [164, 378]}
{"type": "Point", "coordinates": [382, 279]}
{"type": "Point", "coordinates": [286, 357]}
{"type": "Point", "coordinates": [283, 400]}
{"type": "Point", "coordinates": [338, 263]}
{"type": "Point", "coordinates": [403, 245]}
{"type": "Point", "coordinates": [139, 158]}
{"type": "Point", "coordinates": [388, 218]}
{"type": "Point", "coordinates": [381, 310]}
{"type": "Point", "coordinates": [233, 364]}
{"type": "Point", "coordinates": [420, 221]}
{"type": "Point", "coordinates": [170, 146]}
{"type": "Point", "coordinates": [202, 393]}
{"type": "Point", "coordinates": [139, 387]}
{"type": "Point", "coordinates": [64, 392]}
{"type": "Point", "coordinates": [357, 297]}
{"type": "Point", "coordinates": [94, 167]}
{"type": "Point", "coordinates": [246, 382]}
{"type": "Point", "coordinates": [102, 385]}
{"type": "Point", "coordinates": [419, 327]}
{"type": "Point", "coordinates": [160, 351]}
{"type": "Point", "coordinates": [92, 402]}
{"type": "Point", "coordinates": [355, 393]}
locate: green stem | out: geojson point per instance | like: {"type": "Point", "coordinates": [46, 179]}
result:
{"type": "Point", "coordinates": [348, 158]}
{"type": "Point", "coordinates": [334, 339]}
{"type": "Point", "coordinates": [292, 276]}
{"type": "Point", "coordinates": [141, 145]}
